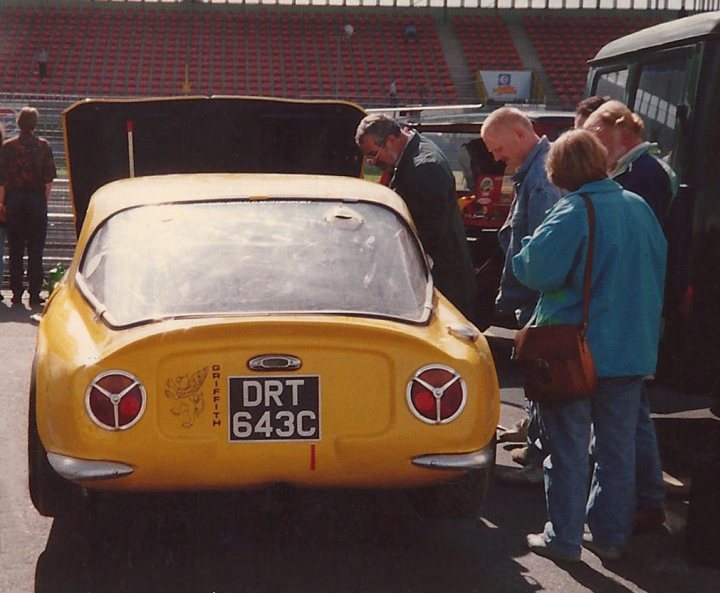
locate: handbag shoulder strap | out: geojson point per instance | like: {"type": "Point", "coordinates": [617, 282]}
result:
{"type": "Point", "coordinates": [588, 260]}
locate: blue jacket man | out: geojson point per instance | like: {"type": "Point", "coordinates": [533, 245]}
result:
{"type": "Point", "coordinates": [509, 135]}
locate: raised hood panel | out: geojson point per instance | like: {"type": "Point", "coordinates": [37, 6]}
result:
{"type": "Point", "coordinates": [108, 140]}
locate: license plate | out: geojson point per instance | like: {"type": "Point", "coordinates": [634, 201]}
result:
{"type": "Point", "coordinates": [274, 408]}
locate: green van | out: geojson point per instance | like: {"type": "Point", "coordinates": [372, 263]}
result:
{"type": "Point", "coordinates": [670, 75]}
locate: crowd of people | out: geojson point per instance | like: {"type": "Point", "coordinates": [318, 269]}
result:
{"type": "Point", "coordinates": [606, 440]}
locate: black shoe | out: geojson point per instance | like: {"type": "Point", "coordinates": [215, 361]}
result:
{"type": "Point", "coordinates": [36, 300]}
{"type": "Point", "coordinates": [530, 475]}
{"type": "Point", "coordinates": [649, 519]}
{"type": "Point", "coordinates": [603, 552]}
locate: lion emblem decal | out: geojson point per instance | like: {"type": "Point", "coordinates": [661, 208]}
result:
{"type": "Point", "coordinates": [187, 391]}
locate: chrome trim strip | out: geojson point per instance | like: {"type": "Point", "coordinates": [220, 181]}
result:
{"type": "Point", "coordinates": [75, 469]}
{"type": "Point", "coordinates": [475, 460]}
{"type": "Point", "coordinates": [464, 332]}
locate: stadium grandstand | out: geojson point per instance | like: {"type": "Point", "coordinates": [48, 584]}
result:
{"type": "Point", "coordinates": [141, 48]}
{"type": "Point", "coordinates": [55, 52]}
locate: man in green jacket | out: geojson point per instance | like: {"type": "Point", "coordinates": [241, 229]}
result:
{"type": "Point", "coordinates": [421, 175]}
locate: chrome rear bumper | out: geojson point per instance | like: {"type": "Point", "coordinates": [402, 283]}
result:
{"type": "Point", "coordinates": [79, 470]}
{"type": "Point", "coordinates": [473, 461]}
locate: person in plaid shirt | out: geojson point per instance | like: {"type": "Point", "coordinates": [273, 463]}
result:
{"type": "Point", "coordinates": [27, 170]}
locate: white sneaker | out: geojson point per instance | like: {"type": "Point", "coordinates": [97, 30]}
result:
{"type": "Point", "coordinates": [536, 542]}
{"type": "Point", "coordinates": [515, 434]}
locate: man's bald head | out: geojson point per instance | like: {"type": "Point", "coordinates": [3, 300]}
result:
{"type": "Point", "coordinates": [509, 135]}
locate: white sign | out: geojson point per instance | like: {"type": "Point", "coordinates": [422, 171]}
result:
{"type": "Point", "coordinates": [8, 115]}
{"type": "Point", "coordinates": [503, 85]}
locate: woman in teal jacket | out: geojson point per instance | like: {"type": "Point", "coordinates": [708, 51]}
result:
{"type": "Point", "coordinates": [624, 326]}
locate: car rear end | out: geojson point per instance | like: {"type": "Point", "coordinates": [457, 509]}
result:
{"type": "Point", "coordinates": [310, 402]}
{"type": "Point", "coordinates": [257, 330]}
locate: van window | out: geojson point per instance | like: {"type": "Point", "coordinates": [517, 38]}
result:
{"type": "Point", "coordinates": [612, 84]}
{"type": "Point", "coordinates": [661, 88]}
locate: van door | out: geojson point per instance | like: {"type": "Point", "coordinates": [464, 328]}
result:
{"type": "Point", "coordinates": [665, 98]}
{"type": "Point", "coordinates": [669, 90]}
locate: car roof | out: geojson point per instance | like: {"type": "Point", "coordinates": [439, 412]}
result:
{"type": "Point", "coordinates": [663, 35]}
{"type": "Point", "coordinates": [183, 188]}
{"type": "Point", "coordinates": [112, 139]}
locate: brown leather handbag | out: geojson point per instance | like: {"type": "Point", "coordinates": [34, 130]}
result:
{"type": "Point", "coordinates": [556, 361]}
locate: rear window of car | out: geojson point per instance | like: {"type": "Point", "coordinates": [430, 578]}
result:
{"type": "Point", "coordinates": [250, 257]}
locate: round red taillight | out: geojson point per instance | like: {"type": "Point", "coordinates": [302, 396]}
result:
{"type": "Point", "coordinates": [115, 400]}
{"type": "Point", "coordinates": [436, 394]}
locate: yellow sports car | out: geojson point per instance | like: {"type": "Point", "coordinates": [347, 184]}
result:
{"type": "Point", "coordinates": [239, 330]}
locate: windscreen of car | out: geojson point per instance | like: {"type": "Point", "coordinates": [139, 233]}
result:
{"type": "Point", "coordinates": [255, 257]}
{"type": "Point", "coordinates": [468, 157]}
{"type": "Point", "coordinates": [453, 146]}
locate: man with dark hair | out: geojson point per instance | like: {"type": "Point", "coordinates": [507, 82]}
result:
{"type": "Point", "coordinates": [27, 170]}
{"type": "Point", "coordinates": [421, 175]}
{"type": "Point", "coordinates": [585, 107]}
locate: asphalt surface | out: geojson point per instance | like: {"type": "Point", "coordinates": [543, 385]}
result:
{"type": "Point", "coordinates": [350, 542]}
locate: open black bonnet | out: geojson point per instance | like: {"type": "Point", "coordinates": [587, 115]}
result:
{"type": "Point", "coordinates": [108, 140]}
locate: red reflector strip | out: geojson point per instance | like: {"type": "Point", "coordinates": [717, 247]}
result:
{"type": "Point", "coordinates": [686, 302]}
{"type": "Point", "coordinates": [312, 458]}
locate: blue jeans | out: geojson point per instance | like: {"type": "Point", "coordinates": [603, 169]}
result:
{"type": "Point", "coordinates": [536, 451]}
{"type": "Point", "coordinates": [610, 508]}
{"type": "Point", "coordinates": [650, 487]}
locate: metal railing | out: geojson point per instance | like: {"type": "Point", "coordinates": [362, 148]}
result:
{"type": "Point", "coordinates": [419, 5]}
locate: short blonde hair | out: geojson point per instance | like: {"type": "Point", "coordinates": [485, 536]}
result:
{"type": "Point", "coordinates": [615, 114]}
{"type": "Point", "coordinates": [577, 157]}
